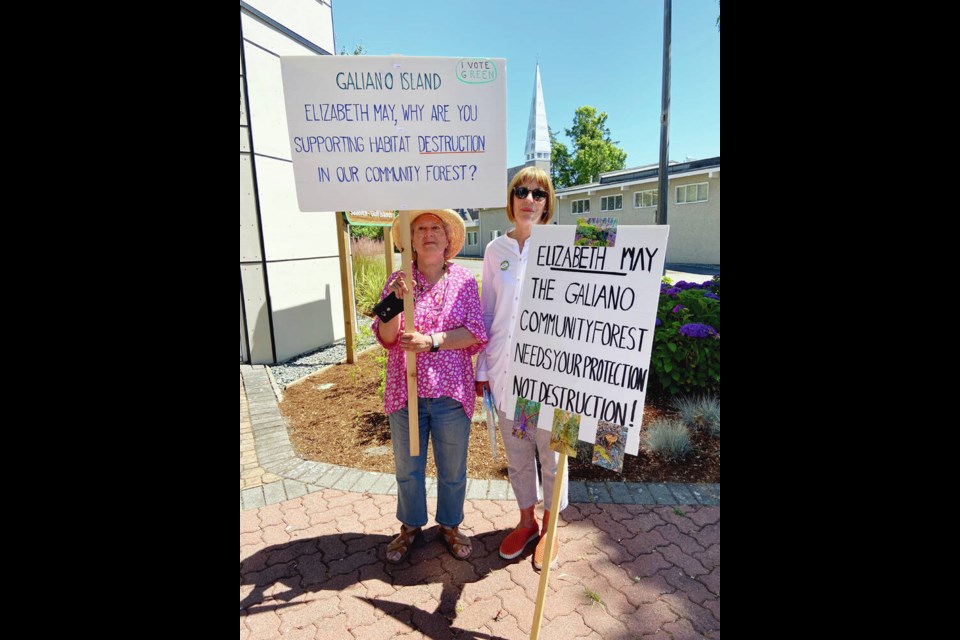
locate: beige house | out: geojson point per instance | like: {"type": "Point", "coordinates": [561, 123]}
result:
{"type": "Point", "coordinates": [631, 196]}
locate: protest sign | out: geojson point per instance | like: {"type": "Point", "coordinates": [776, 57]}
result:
{"type": "Point", "coordinates": [395, 132]}
{"type": "Point", "coordinates": [583, 336]}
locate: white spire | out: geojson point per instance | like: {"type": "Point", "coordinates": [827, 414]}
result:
{"type": "Point", "coordinates": [538, 136]}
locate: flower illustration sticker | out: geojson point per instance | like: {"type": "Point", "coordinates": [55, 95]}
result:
{"type": "Point", "coordinates": [504, 265]}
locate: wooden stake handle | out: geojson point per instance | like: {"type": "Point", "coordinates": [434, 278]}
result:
{"type": "Point", "coordinates": [406, 259]}
{"type": "Point", "coordinates": [548, 548]}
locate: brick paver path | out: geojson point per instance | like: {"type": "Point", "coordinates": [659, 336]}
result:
{"type": "Point", "coordinates": [312, 567]}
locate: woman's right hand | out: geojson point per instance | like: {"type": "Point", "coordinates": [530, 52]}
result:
{"type": "Point", "coordinates": [481, 385]}
{"type": "Point", "coordinates": [398, 286]}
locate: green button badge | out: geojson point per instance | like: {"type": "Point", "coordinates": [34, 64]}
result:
{"type": "Point", "coordinates": [504, 265]}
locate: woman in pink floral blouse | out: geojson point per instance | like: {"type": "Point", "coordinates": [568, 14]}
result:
{"type": "Point", "coordinates": [448, 330]}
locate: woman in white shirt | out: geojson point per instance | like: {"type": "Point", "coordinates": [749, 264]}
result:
{"type": "Point", "coordinates": [530, 201]}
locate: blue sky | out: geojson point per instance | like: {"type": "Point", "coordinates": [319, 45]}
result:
{"type": "Point", "coordinates": [602, 53]}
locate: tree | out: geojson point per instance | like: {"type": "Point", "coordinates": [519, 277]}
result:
{"type": "Point", "coordinates": [718, 16]}
{"type": "Point", "coordinates": [594, 152]}
{"type": "Point", "coordinates": [374, 233]}
{"type": "Point", "coordinates": [559, 161]}
{"type": "Point", "coordinates": [357, 50]}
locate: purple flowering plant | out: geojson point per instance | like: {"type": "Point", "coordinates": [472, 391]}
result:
{"type": "Point", "coordinates": [686, 342]}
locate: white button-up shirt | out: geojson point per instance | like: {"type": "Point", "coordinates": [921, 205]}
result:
{"type": "Point", "coordinates": [503, 270]}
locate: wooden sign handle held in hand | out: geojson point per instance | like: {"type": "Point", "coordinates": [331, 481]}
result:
{"type": "Point", "coordinates": [406, 260]}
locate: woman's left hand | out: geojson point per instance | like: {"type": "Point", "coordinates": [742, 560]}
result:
{"type": "Point", "coordinates": [415, 342]}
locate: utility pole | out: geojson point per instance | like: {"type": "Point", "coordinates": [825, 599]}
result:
{"type": "Point", "coordinates": [662, 195]}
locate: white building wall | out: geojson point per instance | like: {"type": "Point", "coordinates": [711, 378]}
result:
{"type": "Point", "coordinates": [289, 266]}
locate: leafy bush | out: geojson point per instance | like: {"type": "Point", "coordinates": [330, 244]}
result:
{"type": "Point", "coordinates": [686, 343]}
{"type": "Point", "coordinates": [669, 438]}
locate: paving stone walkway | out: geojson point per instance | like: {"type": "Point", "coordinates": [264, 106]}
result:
{"type": "Point", "coordinates": [635, 561]}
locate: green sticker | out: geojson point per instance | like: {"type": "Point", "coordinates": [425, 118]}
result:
{"type": "Point", "coordinates": [504, 265]}
{"type": "Point", "coordinates": [475, 71]}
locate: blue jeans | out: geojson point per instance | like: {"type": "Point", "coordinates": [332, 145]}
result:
{"type": "Point", "coordinates": [445, 419]}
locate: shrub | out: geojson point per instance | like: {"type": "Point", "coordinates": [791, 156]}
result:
{"type": "Point", "coordinates": [686, 342]}
{"type": "Point", "coordinates": [688, 406]}
{"type": "Point", "coordinates": [710, 414]}
{"type": "Point", "coordinates": [369, 273]}
{"type": "Point", "coordinates": [715, 425]}
{"type": "Point", "coordinates": [669, 438]}
{"type": "Point", "coordinates": [700, 412]}
{"type": "Point", "coordinates": [381, 360]}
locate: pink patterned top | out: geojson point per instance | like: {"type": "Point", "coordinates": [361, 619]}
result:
{"type": "Point", "coordinates": [451, 303]}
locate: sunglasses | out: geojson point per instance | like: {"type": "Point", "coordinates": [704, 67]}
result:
{"type": "Point", "coordinates": [521, 192]}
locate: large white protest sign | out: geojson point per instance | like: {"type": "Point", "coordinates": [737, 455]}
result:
{"type": "Point", "coordinates": [584, 333]}
{"type": "Point", "coordinates": [395, 132]}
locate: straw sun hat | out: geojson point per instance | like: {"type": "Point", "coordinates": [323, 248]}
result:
{"type": "Point", "coordinates": [451, 220]}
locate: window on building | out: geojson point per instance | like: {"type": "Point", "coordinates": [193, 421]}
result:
{"type": "Point", "coordinates": [611, 203]}
{"type": "Point", "coordinates": [645, 199]}
{"type": "Point", "coordinates": [580, 206]}
{"type": "Point", "coordinates": [471, 238]}
{"type": "Point", "coordinates": [692, 193]}
{"type": "Point", "coordinates": [496, 233]}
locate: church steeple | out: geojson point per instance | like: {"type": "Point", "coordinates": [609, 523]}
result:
{"type": "Point", "coordinates": [537, 151]}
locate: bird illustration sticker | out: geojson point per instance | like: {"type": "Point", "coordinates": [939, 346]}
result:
{"type": "Point", "coordinates": [608, 450]}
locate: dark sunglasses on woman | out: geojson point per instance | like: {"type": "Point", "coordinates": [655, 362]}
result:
{"type": "Point", "coordinates": [521, 192]}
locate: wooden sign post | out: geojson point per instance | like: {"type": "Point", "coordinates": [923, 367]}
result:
{"type": "Point", "coordinates": [548, 547]}
{"type": "Point", "coordinates": [406, 259]}
{"type": "Point", "coordinates": [346, 287]}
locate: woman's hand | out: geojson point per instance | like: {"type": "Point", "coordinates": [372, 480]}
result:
{"type": "Point", "coordinates": [398, 286]}
{"type": "Point", "coordinates": [481, 385]}
{"type": "Point", "coordinates": [415, 342]}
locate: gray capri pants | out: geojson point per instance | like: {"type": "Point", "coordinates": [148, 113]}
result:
{"type": "Point", "coordinates": [523, 466]}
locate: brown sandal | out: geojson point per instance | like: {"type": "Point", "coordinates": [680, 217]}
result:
{"type": "Point", "coordinates": [456, 542]}
{"type": "Point", "coordinates": [403, 543]}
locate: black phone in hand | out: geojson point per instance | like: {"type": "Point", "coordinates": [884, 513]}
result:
{"type": "Point", "coordinates": [387, 308]}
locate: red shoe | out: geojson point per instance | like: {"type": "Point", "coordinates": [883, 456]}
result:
{"type": "Point", "coordinates": [542, 549]}
{"type": "Point", "coordinates": [518, 539]}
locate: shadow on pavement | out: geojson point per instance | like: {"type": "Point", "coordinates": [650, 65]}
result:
{"type": "Point", "coordinates": [353, 567]}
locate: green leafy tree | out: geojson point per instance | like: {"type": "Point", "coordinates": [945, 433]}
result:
{"type": "Point", "coordinates": [559, 161]}
{"type": "Point", "coordinates": [357, 50]}
{"type": "Point", "coordinates": [594, 152]}
{"type": "Point", "coordinates": [374, 233]}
